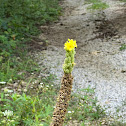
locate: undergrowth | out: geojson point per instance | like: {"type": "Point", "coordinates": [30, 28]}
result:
{"type": "Point", "coordinates": [31, 108]}
{"type": "Point", "coordinates": [35, 108]}
{"type": "Point", "coordinates": [20, 19]}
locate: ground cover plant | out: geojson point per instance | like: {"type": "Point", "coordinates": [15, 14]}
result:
{"type": "Point", "coordinates": [84, 108]}
{"type": "Point", "coordinates": [18, 21]}
{"type": "Point", "coordinates": [123, 47]}
{"type": "Point", "coordinates": [35, 107]}
{"type": "Point", "coordinates": [96, 4]}
{"type": "Point", "coordinates": [31, 108]}
{"type": "Point", "coordinates": [123, 0]}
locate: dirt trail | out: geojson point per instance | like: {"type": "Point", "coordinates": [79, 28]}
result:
{"type": "Point", "coordinates": [100, 64]}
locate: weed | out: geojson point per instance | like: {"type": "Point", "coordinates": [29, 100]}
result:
{"type": "Point", "coordinates": [123, 0]}
{"type": "Point", "coordinates": [18, 20]}
{"type": "Point", "coordinates": [97, 5]}
{"type": "Point", "coordinates": [27, 110]}
{"type": "Point", "coordinates": [84, 107]}
{"type": "Point", "coordinates": [17, 68]}
{"type": "Point", "coordinates": [116, 123]}
{"type": "Point", "coordinates": [123, 47]}
{"type": "Point", "coordinates": [22, 16]}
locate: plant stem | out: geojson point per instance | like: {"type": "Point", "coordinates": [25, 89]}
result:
{"type": "Point", "coordinates": [62, 101]}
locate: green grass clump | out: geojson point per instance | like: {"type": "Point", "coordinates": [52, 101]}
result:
{"type": "Point", "coordinates": [123, 47]}
{"type": "Point", "coordinates": [17, 68]}
{"type": "Point", "coordinates": [97, 5]}
{"type": "Point", "coordinates": [123, 0]}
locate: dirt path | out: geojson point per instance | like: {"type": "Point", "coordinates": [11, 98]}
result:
{"type": "Point", "coordinates": [100, 63]}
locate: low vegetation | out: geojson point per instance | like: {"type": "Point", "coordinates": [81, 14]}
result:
{"type": "Point", "coordinates": [96, 4]}
{"type": "Point", "coordinates": [31, 108]}
{"type": "Point", "coordinates": [84, 108]}
{"type": "Point", "coordinates": [123, 0]}
{"type": "Point", "coordinates": [19, 20]}
{"type": "Point", "coordinates": [34, 104]}
{"type": "Point", "coordinates": [123, 47]}
{"type": "Point", "coordinates": [35, 108]}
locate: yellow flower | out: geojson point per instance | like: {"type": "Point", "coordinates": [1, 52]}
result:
{"type": "Point", "coordinates": [70, 44]}
{"type": "Point", "coordinates": [73, 42]}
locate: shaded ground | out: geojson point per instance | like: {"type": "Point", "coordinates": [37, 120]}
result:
{"type": "Point", "coordinates": [100, 63]}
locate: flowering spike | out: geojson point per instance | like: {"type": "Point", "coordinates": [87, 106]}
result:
{"type": "Point", "coordinates": [66, 85]}
{"type": "Point", "coordinates": [69, 46]}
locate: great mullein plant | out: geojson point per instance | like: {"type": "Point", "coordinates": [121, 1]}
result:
{"type": "Point", "coordinates": [66, 85]}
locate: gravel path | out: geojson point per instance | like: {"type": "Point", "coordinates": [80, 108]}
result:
{"type": "Point", "coordinates": [99, 62]}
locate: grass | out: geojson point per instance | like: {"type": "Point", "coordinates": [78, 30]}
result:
{"type": "Point", "coordinates": [17, 68]}
{"type": "Point", "coordinates": [123, 47]}
{"type": "Point", "coordinates": [116, 123]}
{"type": "Point", "coordinates": [84, 108]}
{"type": "Point", "coordinates": [19, 20]}
{"type": "Point", "coordinates": [35, 107]}
{"type": "Point", "coordinates": [96, 4]}
{"type": "Point", "coordinates": [123, 0]}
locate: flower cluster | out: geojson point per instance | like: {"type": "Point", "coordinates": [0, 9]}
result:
{"type": "Point", "coordinates": [8, 113]}
{"type": "Point", "coordinates": [70, 45]}
{"type": "Point", "coordinates": [70, 52]}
